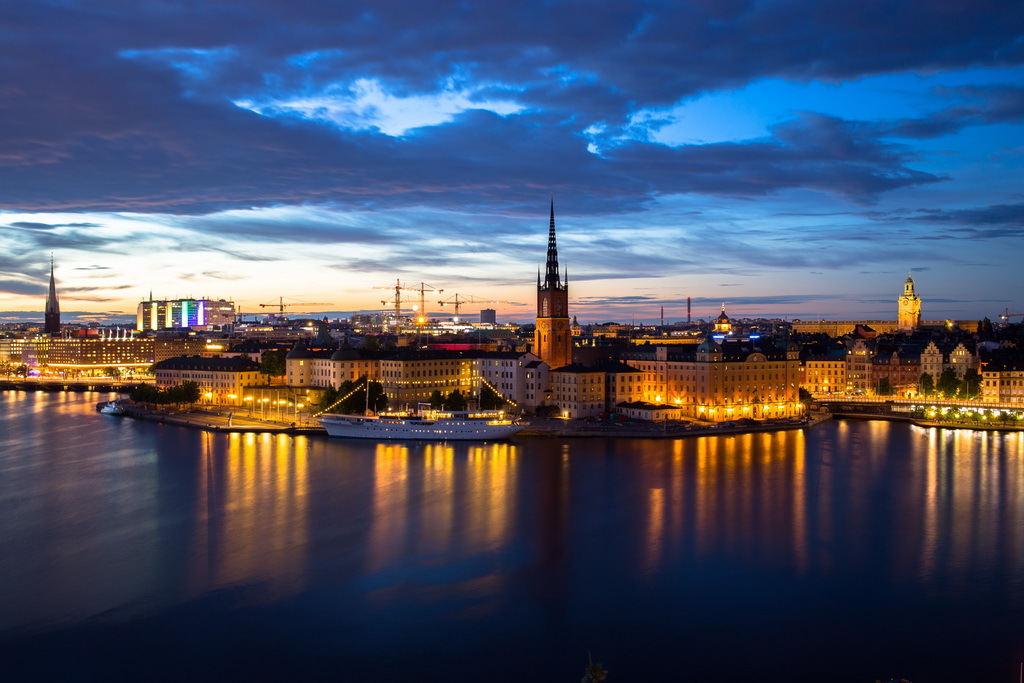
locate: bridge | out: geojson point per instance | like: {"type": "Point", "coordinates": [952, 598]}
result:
{"type": "Point", "coordinates": [901, 407]}
{"type": "Point", "coordinates": [87, 384]}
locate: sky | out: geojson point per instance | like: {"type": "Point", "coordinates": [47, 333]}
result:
{"type": "Point", "coordinates": [786, 159]}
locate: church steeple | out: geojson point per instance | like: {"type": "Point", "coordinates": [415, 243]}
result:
{"type": "Point", "coordinates": [551, 278]}
{"type": "Point", "coordinates": [553, 338]}
{"type": "Point", "coordinates": [51, 315]}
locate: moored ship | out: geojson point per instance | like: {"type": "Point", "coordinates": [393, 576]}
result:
{"type": "Point", "coordinates": [430, 425]}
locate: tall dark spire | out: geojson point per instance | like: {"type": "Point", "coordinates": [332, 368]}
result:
{"type": "Point", "coordinates": [551, 279]}
{"type": "Point", "coordinates": [51, 316]}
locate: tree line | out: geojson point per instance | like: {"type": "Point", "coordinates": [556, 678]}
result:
{"type": "Point", "coordinates": [147, 394]}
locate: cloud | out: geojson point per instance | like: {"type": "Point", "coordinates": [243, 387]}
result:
{"type": "Point", "coordinates": [136, 111]}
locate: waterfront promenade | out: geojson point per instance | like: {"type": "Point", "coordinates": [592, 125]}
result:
{"type": "Point", "coordinates": [224, 419]}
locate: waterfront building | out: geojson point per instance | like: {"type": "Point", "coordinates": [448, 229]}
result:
{"type": "Point", "coordinates": [51, 315]}
{"type": "Point", "coordinates": [623, 384]}
{"type": "Point", "coordinates": [93, 353]}
{"type": "Point", "coordinates": [899, 367]}
{"type": "Point", "coordinates": [331, 367]}
{"type": "Point", "coordinates": [553, 338]}
{"type": "Point", "coordinates": [724, 379]}
{"type": "Point", "coordinates": [649, 412]}
{"type": "Point", "coordinates": [1002, 381]}
{"type": "Point", "coordinates": [937, 357]}
{"type": "Point", "coordinates": [184, 314]}
{"type": "Point", "coordinates": [488, 316]}
{"type": "Point", "coordinates": [824, 373]}
{"type": "Point", "coordinates": [858, 367]}
{"type": "Point", "coordinates": [221, 380]}
{"type": "Point", "coordinates": [578, 390]}
{"type": "Point", "coordinates": [411, 376]}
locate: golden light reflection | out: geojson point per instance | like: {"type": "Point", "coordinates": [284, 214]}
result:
{"type": "Point", "coordinates": [252, 507]}
{"type": "Point", "coordinates": [491, 483]}
{"type": "Point", "coordinates": [390, 504]}
{"type": "Point", "coordinates": [655, 528]}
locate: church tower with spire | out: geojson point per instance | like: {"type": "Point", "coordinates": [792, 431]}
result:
{"type": "Point", "coordinates": [909, 311]}
{"type": "Point", "coordinates": [51, 316]}
{"type": "Point", "coordinates": [553, 337]}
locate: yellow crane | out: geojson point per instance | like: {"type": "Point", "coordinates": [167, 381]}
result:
{"type": "Point", "coordinates": [281, 305]}
{"type": "Point", "coordinates": [470, 299]}
{"type": "Point", "coordinates": [420, 311]}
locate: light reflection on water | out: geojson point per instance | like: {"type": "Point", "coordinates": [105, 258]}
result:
{"type": "Point", "coordinates": [112, 519]}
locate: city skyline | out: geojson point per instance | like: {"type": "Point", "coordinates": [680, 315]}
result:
{"type": "Point", "coordinates": [789, 160]}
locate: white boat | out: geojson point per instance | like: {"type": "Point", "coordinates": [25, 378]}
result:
{"type": "Point", "coordinates": [112, 408]}
{"type": "Point", "coordinates": [429, 425]}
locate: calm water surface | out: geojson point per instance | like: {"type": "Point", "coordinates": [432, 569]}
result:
{"type": "Point", "coordinates": [849, 552]}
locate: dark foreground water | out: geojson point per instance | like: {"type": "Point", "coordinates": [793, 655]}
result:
{"type": "Point", "coordinates": [850, 552]}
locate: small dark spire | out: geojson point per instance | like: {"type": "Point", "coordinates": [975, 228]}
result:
{"type": "Point", "coordinates": [51, 315]}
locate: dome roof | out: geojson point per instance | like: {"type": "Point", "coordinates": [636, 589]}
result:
{"type": "Point", "coordinates": [299, 351]}
{"type": "Point", "coordinates": [709, 345]}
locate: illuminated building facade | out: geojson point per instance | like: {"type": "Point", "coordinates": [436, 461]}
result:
{"type": "Point", "coordinates": [410, 377]}
{"type": "Point", "coordinates": [91, 353]}
{"type": "Point", "coordinates": [221, 380]}
{"type": "Point", "coordinates": [824, 375]}
{"type": "Point", "coordinates": [588, 391]}
{"type": "Point", "coordinates": [936, 358]}
{"type": "Point", "coordinates": [552, 340]}
{"type": "Point", "coordinates": [723, 379]}
{"type": "Point", "coordinates": [578, 390]}
{"type": "Point", "coordinates": [184, 314]}
{"type": "Point", "coordinates": [900, 369]}
{"type": "Point", "coordinates": [1003, 382]}
{"type": "Point", "coordinates": [330, 368]}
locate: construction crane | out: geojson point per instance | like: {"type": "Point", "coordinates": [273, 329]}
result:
{"type": "Point", "coordinates": [458, 302]}
{"type": "Point", "coordinates": [421, 315]}
{"type": "Point", "coordinates": [281, 305]}
{"type": "Point", "coordinates": [1007, 314]}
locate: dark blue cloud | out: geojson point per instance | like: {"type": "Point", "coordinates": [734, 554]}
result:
{"type": "Point", "coordinates": [130, 110]}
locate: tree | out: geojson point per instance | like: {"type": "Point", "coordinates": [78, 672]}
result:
{"type": "Point", "coordinates": [436, 400]}
{"type": "Point", "coordinates": [272, 363]}
{"type": "Point", "coordinates": [328, 399]}
{"type": "Point", "coordinates": [490, 399]}
{"type": "Point", "coordinates": [112, 372]}
{"type": "Point", "coordinates": [370, 344]}
{"type": "Point", "coordinates": [884, 387]}
{"type": "Point", "coordinates": [146, 394]}
{"type": "Point", "coordinates": [948, 384]}
{"type": "Point", "coordinates": [186, 392]}
{"type": "Point", "coordinates": [805, 396]}
{"type": "Point", "coordinates": [972, 383]}
{"type": "Point", "coordinates": [356, 403]}
{"type": "Point", "coordinates": [926, 384]}
{"type": "Point", "coordinates": [455, 401]}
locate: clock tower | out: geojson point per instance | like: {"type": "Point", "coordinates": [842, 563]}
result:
{"type": "Point", "coordinates": [909, 312]}
{"type": "Point", "coordinates": [553, 338]}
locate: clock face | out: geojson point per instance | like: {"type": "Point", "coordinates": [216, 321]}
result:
{"type": "Point", "coordinates": [542, 324]}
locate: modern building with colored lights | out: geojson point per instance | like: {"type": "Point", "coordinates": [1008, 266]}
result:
{"type": "Point", "coordinates": [168, 314]}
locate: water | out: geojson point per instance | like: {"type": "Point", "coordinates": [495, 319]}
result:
{"type": "Point", "coordinates": [850, 552]}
